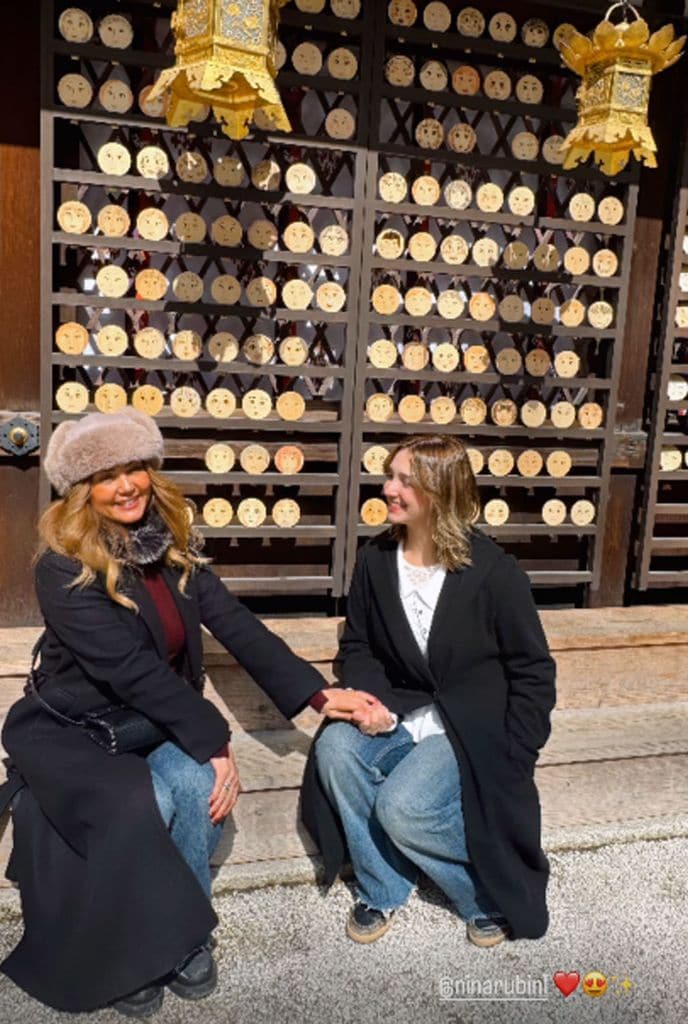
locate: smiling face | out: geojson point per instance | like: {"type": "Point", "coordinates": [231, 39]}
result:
{"type": "Point", "coordinates": [429, 133]}
{"type": "Point", "coordinates": [75, 25]}
{"type": "Point", "coordinates": [116, 96]}
{"type": "Point", "coordinates": [122, 493]}
{"type": "Point", "coordinates": [425, 190]}
{"type": "Point", "coordinates": [113, 220]}
{"type": "Point", "coordinates": [462, 138]}
{"type": "Point", "coordinates": [74, 218]}
{"type": "Point", "coordinates": [407, 504]}
{"type": "Point", "coordinates": [433, 76]}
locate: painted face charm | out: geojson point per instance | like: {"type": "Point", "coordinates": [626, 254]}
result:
{"type": "Point", "coordinates": [74, 217]}
{"type": "Point", "coordinates": [502, 27]}
{"type": "Point", "coordinates": [75, 91]}
{"type": "Point", "coordinates": [433, 76]}
{"type": "Point", "coordinates": [114, 158]}
{"type": "Point", "coordinates": [71, 397]}
{"type": "Point", "coordinates": [75, 25]}
{"type": "Point", "coordinates": [470, 22]}
{"type": "Point", "coordinates": [342, 64]}
{"type": "Point", "coordinates": [402, 12]}
{"type": "Point", "coordinates": [116, 97]}
{"type": "Point", "coordinates": [116, 32]}
{"type": "Point", "coordinates": [71, 338]}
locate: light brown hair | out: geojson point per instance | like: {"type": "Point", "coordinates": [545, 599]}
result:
{"type": "Point", "coordinates": [71, 527]}
{"type": "Point", "coordinates": [441, 469]}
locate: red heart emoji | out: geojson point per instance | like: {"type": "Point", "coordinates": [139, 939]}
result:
{"type": "Point", "coordinates": [566, 983]}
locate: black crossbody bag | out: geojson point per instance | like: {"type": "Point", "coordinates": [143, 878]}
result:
{"type": "Point", "coordinates": [116, 728]}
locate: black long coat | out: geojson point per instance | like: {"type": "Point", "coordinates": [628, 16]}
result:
{"type": "Point", "coordinates": [491, 676]}
{"type": "Point", "coordinates": [108, 902]}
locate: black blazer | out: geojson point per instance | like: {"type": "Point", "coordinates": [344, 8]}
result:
{"type": "Point", "coordinates": [108, 902]}
{"type": "Point", "coordinates": [491, 676]}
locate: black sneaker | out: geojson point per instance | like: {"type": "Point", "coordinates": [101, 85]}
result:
{"type": "Point", "coordinates": [143, 1003]}
{"type": "Point", "coordinates": [366, 925]}
{"type": "Point", "coordinates": [197, 978]}
{"type": "Point", "coordinates": [487, 931]}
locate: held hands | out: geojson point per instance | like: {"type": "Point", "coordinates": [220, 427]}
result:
{"type": "Point", "coordinates": [343, 704]}
{"type": "Point", "coordinates": [227, 786]}
{"type": "Point", "coordinates": [360, 708]}
{"type": "Point", "coordinates": [374, 719]}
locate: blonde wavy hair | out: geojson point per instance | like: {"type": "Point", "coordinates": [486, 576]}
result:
{"type": "Point", "coordinates": [71, 527]}
{"type": "Point", "coordinates": [441, 470]}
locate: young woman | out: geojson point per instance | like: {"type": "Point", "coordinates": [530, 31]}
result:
{"type": "Point", "coordinates": [438, 777]}
{"type": "Point", "coordinates": [111, 853]}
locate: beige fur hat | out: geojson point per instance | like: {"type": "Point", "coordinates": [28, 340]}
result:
{"type": "Point", "coordinates": [80, 448]}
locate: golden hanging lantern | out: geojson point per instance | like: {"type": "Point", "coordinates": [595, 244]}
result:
{"type": "Point", "coordinates": [226, 59]}
{"type": "Point", "coordinates": [617, 63]}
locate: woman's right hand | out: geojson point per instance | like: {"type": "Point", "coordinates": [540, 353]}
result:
{"type": "Point", "coordinates": [374, 719]}
{"type": "Point", "coordinates": [344, 704]}
{"type": "Point", "coordinates": [227, 785]}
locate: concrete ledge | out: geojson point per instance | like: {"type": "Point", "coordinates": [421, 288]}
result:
{"type": "Point", "coordinates": [316, 638]}
{"type": "Point", "coordinates": [615, 768]}
{"type": "Point", "coordinates": [300, 870]}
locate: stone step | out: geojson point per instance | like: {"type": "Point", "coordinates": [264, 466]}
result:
{"type": "Point", "coordinates": [272, 758]}
{"type": "Point", "coordinates": [576, 795]}
{"type": "Point", "coordinates": [316, 639]}
{"type": "Point", "coordinates": [589, 646]}
{"type": "Point", "coordinates": [586, 682]}
{"type": "Point", "coordinates": [615, 764]}
{"type": "Point", "coordinates": [576, 799]}
{"type": "Point", "coordinates": [605, 767]}
{"type": "Point", "coordinates": [610, 733]}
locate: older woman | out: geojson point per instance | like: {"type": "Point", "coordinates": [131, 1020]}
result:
{"type": "Point", "coordinates": [438, 777]}
{"type": "Point", "coordinates": [111, 853]}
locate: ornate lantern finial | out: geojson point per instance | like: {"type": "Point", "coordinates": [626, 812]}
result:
{"type": "Point", "coordinates": [616, 63]}
{"type": "Point", "coordinates": [225, 58]}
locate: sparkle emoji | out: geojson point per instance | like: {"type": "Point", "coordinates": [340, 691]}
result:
{"type": "Point", "coordinates": [594, 984]}
{"type": "Point", "coordinates": [623, 987]}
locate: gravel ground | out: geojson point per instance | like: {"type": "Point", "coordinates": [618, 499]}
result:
{"type": "Point", "coordinates": [284, 957]}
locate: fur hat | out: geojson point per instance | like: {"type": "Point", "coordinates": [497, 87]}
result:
{"type": "Point", "coordinates": [79, 448]}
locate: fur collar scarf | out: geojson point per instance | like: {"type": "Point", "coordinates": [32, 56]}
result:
{"type": "Point", "coordinates": [141, 545]}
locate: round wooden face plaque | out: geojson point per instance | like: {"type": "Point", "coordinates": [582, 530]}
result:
{"type": "Point", "coordinates": [254, 459]}
{"type": "Point", "coordinates": [286, 512]}
{"type": "Point", "coordinates": [374, 512]}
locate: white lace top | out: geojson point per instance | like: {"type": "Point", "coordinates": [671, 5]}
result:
{"type": "Point", "coordinates": [419, 590]}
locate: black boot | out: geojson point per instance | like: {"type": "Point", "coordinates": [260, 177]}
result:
{"type": "Point", "coordinates": [143, 1003]}
{"type": "Point", "coordinates": [197, 977]}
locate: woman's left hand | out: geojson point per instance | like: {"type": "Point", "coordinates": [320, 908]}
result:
{"type": "Point", "coordinates": [342, 704]}
{"type": "Point", "coordinates": [227, 786]}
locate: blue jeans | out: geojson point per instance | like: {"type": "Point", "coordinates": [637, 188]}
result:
{"type": "Point", "coordinates": [400, 808]}
{"type": "Point", "coordinates": [182, 788]}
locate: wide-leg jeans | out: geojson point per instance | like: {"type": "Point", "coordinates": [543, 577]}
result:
{"type": "Point", "coordinates": [400, 807]}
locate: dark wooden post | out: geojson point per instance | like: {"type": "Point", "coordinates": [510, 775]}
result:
{"type": "Point", "coordinates": [655, 201]}
{"type": "Point", "coordinates": [20, 75]}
